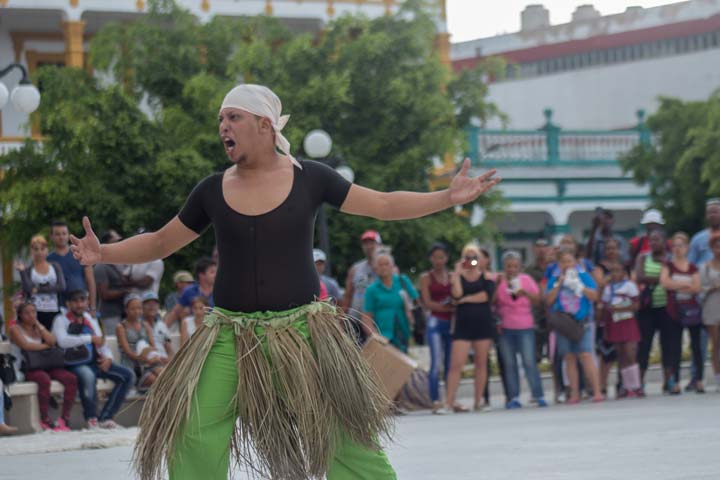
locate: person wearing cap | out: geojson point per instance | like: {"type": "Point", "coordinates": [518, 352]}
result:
{"type": "Point", "coordinates": [361, 275]}
{"type": "Point", "coordinates": [331, 286]}
{"type": "Point", "coordinates": [76, 329]}
{"type": "Point", "coordinates": [182, 279]}
{"type": "Point", "coordinates": [137, 345]}
{"type": "Point", "coordinates": [161, 332]}
{"type": "Point", "coordinates": [266, 333]}
{"type": "Point", "coordinates": [205, 272]}
{"type": "Point", "coordinates": [600, 233]}
{"type": "Point", "coordinates": [651, 220]}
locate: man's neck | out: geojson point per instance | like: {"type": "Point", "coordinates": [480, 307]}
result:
{"type": "Point", "coordinates": [715, 228]}
{"type": "Point", "coordinates": [205, 288]}
{"type": "Point", "coordinates": [253, 165]}
{"type": "Point", "coordinates": [62, 249]}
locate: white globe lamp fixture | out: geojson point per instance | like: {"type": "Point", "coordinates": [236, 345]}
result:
{"type": "Point", "coordinates": [346, 172]}
{"type": "Point", "coordinates": [25, 97]}
{"type": "Point", "coordinates": [317, 144]}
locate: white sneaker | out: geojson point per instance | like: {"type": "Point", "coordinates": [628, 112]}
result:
{"type": "Point", "coordinates": [485, 407]}
{"type": "Point", "coordinates": [442, 411]}
{"type": "Point", "coordinates": [109, 425]}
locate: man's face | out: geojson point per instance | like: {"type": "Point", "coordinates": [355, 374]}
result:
{"type": "Point", "coordinates": [539, 252]}
{"type": "Point", "coordinates": [151, 308]}
{"type": "Point", "coordinates": [320, 267]}
{"type": "Point", "coordinates": [368, 247]}
{"type": "Point", "coordinates": [606, 221]}
{"type": "Point", "coordinates": [180, 286]}
{"type": "Point", "coordinates": [712, 214]}
{"type": "Point", "coordinates": [78, 306]}
{"type": "Point", "coordinates": [242, 132]}
{"type": "Point", "coordinates": [208, 277]}
{"type": "Point", "coordinates": [59, 236]}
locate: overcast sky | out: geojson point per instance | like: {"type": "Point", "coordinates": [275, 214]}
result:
{"type": "Point", "coordinates": [470, 19]}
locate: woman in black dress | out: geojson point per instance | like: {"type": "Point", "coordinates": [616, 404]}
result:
{"type": "Point", "coordinates": [474, 323]}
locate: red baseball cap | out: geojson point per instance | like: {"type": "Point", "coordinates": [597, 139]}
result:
{"type": "Point", "coordinates": [371, 235]}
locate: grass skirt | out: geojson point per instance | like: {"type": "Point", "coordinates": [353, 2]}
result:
{"type": "Point", "coordinates": [301, 383]}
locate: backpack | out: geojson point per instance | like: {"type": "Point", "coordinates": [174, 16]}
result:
{"type": "Point", "coordinates": [82, 354]}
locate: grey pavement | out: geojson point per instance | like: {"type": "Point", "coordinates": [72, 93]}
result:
{"type": "Point", "coordinates": [657, 438]}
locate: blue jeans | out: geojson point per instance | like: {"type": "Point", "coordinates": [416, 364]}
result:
{"type": "Point", "coordinates": [513, 342]}
{"type": "Point", "coordinates": [703, 355]}
{"type": "Point", "coordinates": [440, 342]}
{"type": "Point", "coordinates": [87, 375]}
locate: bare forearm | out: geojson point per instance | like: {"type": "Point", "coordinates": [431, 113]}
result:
{"type": "Point", "coordinates": [407, 205]}
{"type": "Point", "coordinates": [141, 248]}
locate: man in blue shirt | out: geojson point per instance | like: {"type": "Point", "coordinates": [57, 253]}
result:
{"type": "Point", "coordinates": [700, 254]}
{"type": "Point", "coordinates": [699, 248]}
{"type": "Point", "coordinates": [77, 277]}
{"type": "Point", "coordinates": [205, 270]}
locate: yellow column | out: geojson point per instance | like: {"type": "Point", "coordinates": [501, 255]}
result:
{"type": "Point", "coordinates": [74, 52]}
{"type": "Point", "coordinates": [442, 46]}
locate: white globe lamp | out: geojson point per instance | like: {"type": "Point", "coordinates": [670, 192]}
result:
{"type": "Point", "coordinates": [346, 172]}
{"type": "Point", "coordinates": [25, 98]}
{"type": "Point", "coordinates": [317, 144]}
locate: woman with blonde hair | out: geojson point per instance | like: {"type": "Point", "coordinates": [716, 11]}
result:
{"type": "Point", "coordinates": [42, 281]}
{"type": "Point", "coordinates": [474, 324]}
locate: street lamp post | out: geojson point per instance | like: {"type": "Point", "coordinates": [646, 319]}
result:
{"type": "Point", "coordinates": [24, 97]}
{"type": "Point", "coordinates": [317, 145]}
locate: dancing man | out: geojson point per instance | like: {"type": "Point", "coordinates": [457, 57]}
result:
{"type": "Point", "coordinates": [272, 377]}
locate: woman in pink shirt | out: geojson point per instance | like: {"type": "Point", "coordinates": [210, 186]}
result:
{"type": "Point", "coordinates": [516, 294]}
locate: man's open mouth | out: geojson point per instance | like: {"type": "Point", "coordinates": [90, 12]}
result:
{"type": "Point", "coordinates": [229, 144]}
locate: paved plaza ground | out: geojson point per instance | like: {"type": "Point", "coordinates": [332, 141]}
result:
{"type": "Point", "coordinates": [658, 438]}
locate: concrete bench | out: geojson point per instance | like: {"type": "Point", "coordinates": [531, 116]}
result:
{"type": "Point", "coordinates": [25, 412]}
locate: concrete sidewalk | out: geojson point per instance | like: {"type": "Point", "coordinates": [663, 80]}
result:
{"type": "Point", "coordinates": [657, 438]}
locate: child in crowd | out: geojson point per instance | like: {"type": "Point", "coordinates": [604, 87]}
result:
{"type": "Point", "coordinates": [620, 302]}
{"type": "Point", "coordinates": [191, 323]}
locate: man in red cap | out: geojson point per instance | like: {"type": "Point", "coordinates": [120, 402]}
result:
{"type": "Point", "coordinates": [361, 275]}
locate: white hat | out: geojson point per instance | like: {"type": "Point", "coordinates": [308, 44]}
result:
{"type": "Point", "coordinates": [652, 216]}
{"type": "Point", "coordinates": [319, 255]}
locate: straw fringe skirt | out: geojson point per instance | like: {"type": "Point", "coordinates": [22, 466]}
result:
{"type": "Point", "coordinates": [302, 384]}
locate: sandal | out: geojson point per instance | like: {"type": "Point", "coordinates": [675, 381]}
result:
{"type": "Point", "coordinates": [458, 408]}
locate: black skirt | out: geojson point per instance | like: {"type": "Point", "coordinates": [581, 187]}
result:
{"type": "Point", "coordinates": [474, 321]}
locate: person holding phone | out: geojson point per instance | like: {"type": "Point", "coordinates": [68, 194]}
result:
{"type": "Point", "coordinates": [474, 324]}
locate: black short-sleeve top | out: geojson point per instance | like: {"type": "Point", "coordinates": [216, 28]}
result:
{"type": "Point", "coordinates": [265, 261]}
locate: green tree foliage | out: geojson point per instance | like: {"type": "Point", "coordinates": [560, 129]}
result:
{"type": "Point", "coordinates": [683, 167]}
{"type": "Point", "coordinates": [128, 152]}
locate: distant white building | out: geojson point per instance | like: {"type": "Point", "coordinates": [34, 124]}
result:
{"type": "Point", "coordinates": [597, 71]}
{"type": "Point", "coordinates": [596, 74]}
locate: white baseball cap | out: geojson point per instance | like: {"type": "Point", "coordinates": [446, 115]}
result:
{"type": "Point", "coordinates": [319, 255]}
{"type": "Point", "coordinates": [652, 216]}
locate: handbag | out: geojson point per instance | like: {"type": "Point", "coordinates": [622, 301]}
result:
{"type": "Point", "coordinates": [566, 325]}
{"type": "Point", "coordinates": [48, 359]}
{"type": "Point", "coordinates": [7, 369]}
{"type": "Point", "coordinates": [689, 314]}
{"type": "Point", "coordinates": [82, 354]}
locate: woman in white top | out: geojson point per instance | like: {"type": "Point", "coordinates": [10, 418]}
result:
{"type": "Point", "coordinates": [191, 323]}
{"type": "Point", "coordinates": [42, 282]}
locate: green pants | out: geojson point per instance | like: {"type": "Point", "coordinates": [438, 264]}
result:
{"type": "Point", "coordinates": [203, 451]}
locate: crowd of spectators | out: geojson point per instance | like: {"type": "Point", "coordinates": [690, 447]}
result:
{"type": "Point", "coordinates": [584, 308]}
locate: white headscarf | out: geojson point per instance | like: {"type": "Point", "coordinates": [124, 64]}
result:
{"type": "Point", "coordinates": [261, 101]}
